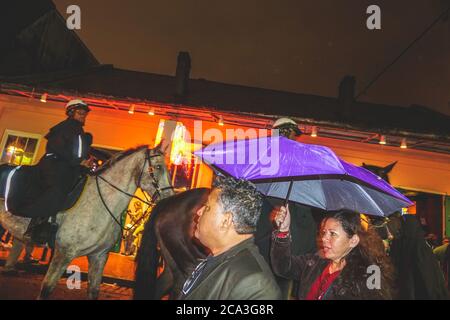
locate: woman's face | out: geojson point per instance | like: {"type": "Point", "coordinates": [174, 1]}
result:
{"type": "Point", "coordinates": [336, 243]}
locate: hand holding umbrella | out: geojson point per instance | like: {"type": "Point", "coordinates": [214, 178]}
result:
{"type": "Point", "coordinates": [283, 219]}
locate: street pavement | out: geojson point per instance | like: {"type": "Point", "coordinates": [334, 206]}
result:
{"type": "Point", "coordinates": [26, 285]}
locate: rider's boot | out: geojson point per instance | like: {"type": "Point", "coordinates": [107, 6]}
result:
{"type": "Point", "coordinates": [38, 230]}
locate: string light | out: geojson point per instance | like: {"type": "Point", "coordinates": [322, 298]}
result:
{"type": "Point", "coordinates": [403, 145]}
{"type": "Point", "coordinates": [151, 112]}
{"type": "Point", "coordinates": [382, 140]}
{"type": "Point", "coordinates": [131, 111]}
{"type": "Point", "coordinates": [220, 122]}
{"type": "Point", "coordinates": [44, 97]}
{"type": "Point", "coordinates": [314, 131]}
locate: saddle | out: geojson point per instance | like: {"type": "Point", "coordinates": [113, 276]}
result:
{"type": "Point", "coordinates": [25, 186]}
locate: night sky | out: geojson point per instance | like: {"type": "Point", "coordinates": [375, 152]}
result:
{"type": "Point", "coordinates": [291, 45]}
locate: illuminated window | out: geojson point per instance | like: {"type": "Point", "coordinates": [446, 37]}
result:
{"type": "Point", "coordinates": [19, 148]}
{"type": "Point", "coordinates": [179, 150]}
{"type": "Point", "coordinates": [159, 133]}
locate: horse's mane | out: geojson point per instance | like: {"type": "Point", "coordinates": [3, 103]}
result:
{"type": "Point", "coordinates": [117, 157]}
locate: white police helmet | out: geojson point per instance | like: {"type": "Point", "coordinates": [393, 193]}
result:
{"type": "Point", "coordinates": [75, 104]}
{"type": "Point", "coordinates": [287, 123]}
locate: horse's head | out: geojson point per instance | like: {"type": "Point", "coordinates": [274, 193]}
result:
{"type": "Point", "coordinates": [382, 172]}
{"type": "Point", "coordinates": [153, 177]}
{"type": "Point", "coordinates": [171, 229]}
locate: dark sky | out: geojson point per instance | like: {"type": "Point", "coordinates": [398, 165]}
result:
{"type": "Point", "coordinates": [292, 45]}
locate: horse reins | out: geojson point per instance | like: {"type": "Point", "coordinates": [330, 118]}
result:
{"type": "Point", "coordinates": [149, 202]}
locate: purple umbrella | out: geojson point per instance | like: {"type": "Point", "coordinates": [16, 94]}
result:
{"type": "Point", "coordinates": [305, 173]}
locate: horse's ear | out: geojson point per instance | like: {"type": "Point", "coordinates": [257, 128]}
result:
{"type": "Point", "coordinates": [166, 147]}
{"type": "Point", "coordinates": [160, 149]}
{"type": "Point", "coordinates": [157, 147]}
{"type": "Point", "coordinates": [389, 167]}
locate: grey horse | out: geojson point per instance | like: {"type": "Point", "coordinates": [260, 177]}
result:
{"type": "Point", "coordinates": [91, 227]}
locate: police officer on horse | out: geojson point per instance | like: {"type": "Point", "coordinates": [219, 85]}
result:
{"type": "Point", "coordinates": [303, 226]}
{"type": "Point", "coordinates": [59, 170]}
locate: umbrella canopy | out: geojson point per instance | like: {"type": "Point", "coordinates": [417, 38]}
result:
{"type": "Point", "coordinates": [309, 174]}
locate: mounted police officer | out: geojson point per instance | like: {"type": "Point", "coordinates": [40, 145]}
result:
{"type": "Point", "coordinates": [287, 127]}
{"type": "Point", "coordinates": [303, 226]}
{"type": "Point", "coordinates": [59, 169]}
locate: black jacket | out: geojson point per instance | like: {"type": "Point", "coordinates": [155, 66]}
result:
{"type": "Point", "coordinates": [239, 274]}
{"type": "Point", "coordinates": [68, 141]}
{"type": "Point", "coordinates": [307, 268]}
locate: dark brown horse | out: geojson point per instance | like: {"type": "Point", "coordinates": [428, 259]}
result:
{"type": "Point", "coordinates": [169, 237]}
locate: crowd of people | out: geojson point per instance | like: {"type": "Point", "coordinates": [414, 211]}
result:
{"type": "Point", "coordinates": [342, 256]}
{"type": "Point", "coordinates": [351, 261]}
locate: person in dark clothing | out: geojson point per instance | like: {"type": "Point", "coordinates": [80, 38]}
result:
{"type": "Point", "coordinates": [59, 169]}
{"type": "Point", "coordinates": [287, 128]}
{"type": "Point", "coordinates": [447, 266]}
{"type": "Point", "coordinates": [419, 274]}
{"type": "Point", "coordinates": [442, 254]}
{"type": "Point", "coordinates": [303, 227]}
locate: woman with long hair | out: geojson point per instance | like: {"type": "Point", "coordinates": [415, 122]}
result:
{"type": "Point", "coordinates": [351, 262]}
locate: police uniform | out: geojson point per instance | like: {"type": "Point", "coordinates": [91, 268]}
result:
{"type": "Point", "coordinates": [59, 168]}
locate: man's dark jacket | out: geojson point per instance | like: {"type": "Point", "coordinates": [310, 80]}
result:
{"type": "Point", "coordinates": [240, 274]}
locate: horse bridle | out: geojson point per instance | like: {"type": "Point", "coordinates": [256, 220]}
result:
{"type": "Point", "coordinates": [158, 189]}
{"type": "Point", "coordinates": [149, 202]}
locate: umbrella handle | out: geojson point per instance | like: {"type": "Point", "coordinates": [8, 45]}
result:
{"type": "Point", "coordinates": [289, 193]}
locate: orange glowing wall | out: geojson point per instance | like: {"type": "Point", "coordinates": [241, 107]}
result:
{"type": "Point", "coordinates": [112, 129]}
{"type": "Point", "coordinates": [417, 170]}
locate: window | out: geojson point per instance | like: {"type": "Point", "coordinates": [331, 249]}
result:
{"type": "Point", "coordinates": [19, 148]}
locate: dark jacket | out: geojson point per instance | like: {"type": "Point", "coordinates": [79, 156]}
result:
{"type": "Point", "coordinates": [43, 193]}
{"type": "Point", "coordinates": [307, 268]}
{"type": "Point", "coordinates": [240, 274]}
{"type": "Point", "coordinates": [303, 229]}
{"type": "Point", "coordinates": [68, 141]}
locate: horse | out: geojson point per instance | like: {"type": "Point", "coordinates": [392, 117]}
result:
{"type": "Point", "coordinates": [169, 236]}
{"type": "Point", "coordinates": [91, 227]}
{"type": "Point", "coordinates": [418, 272]}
